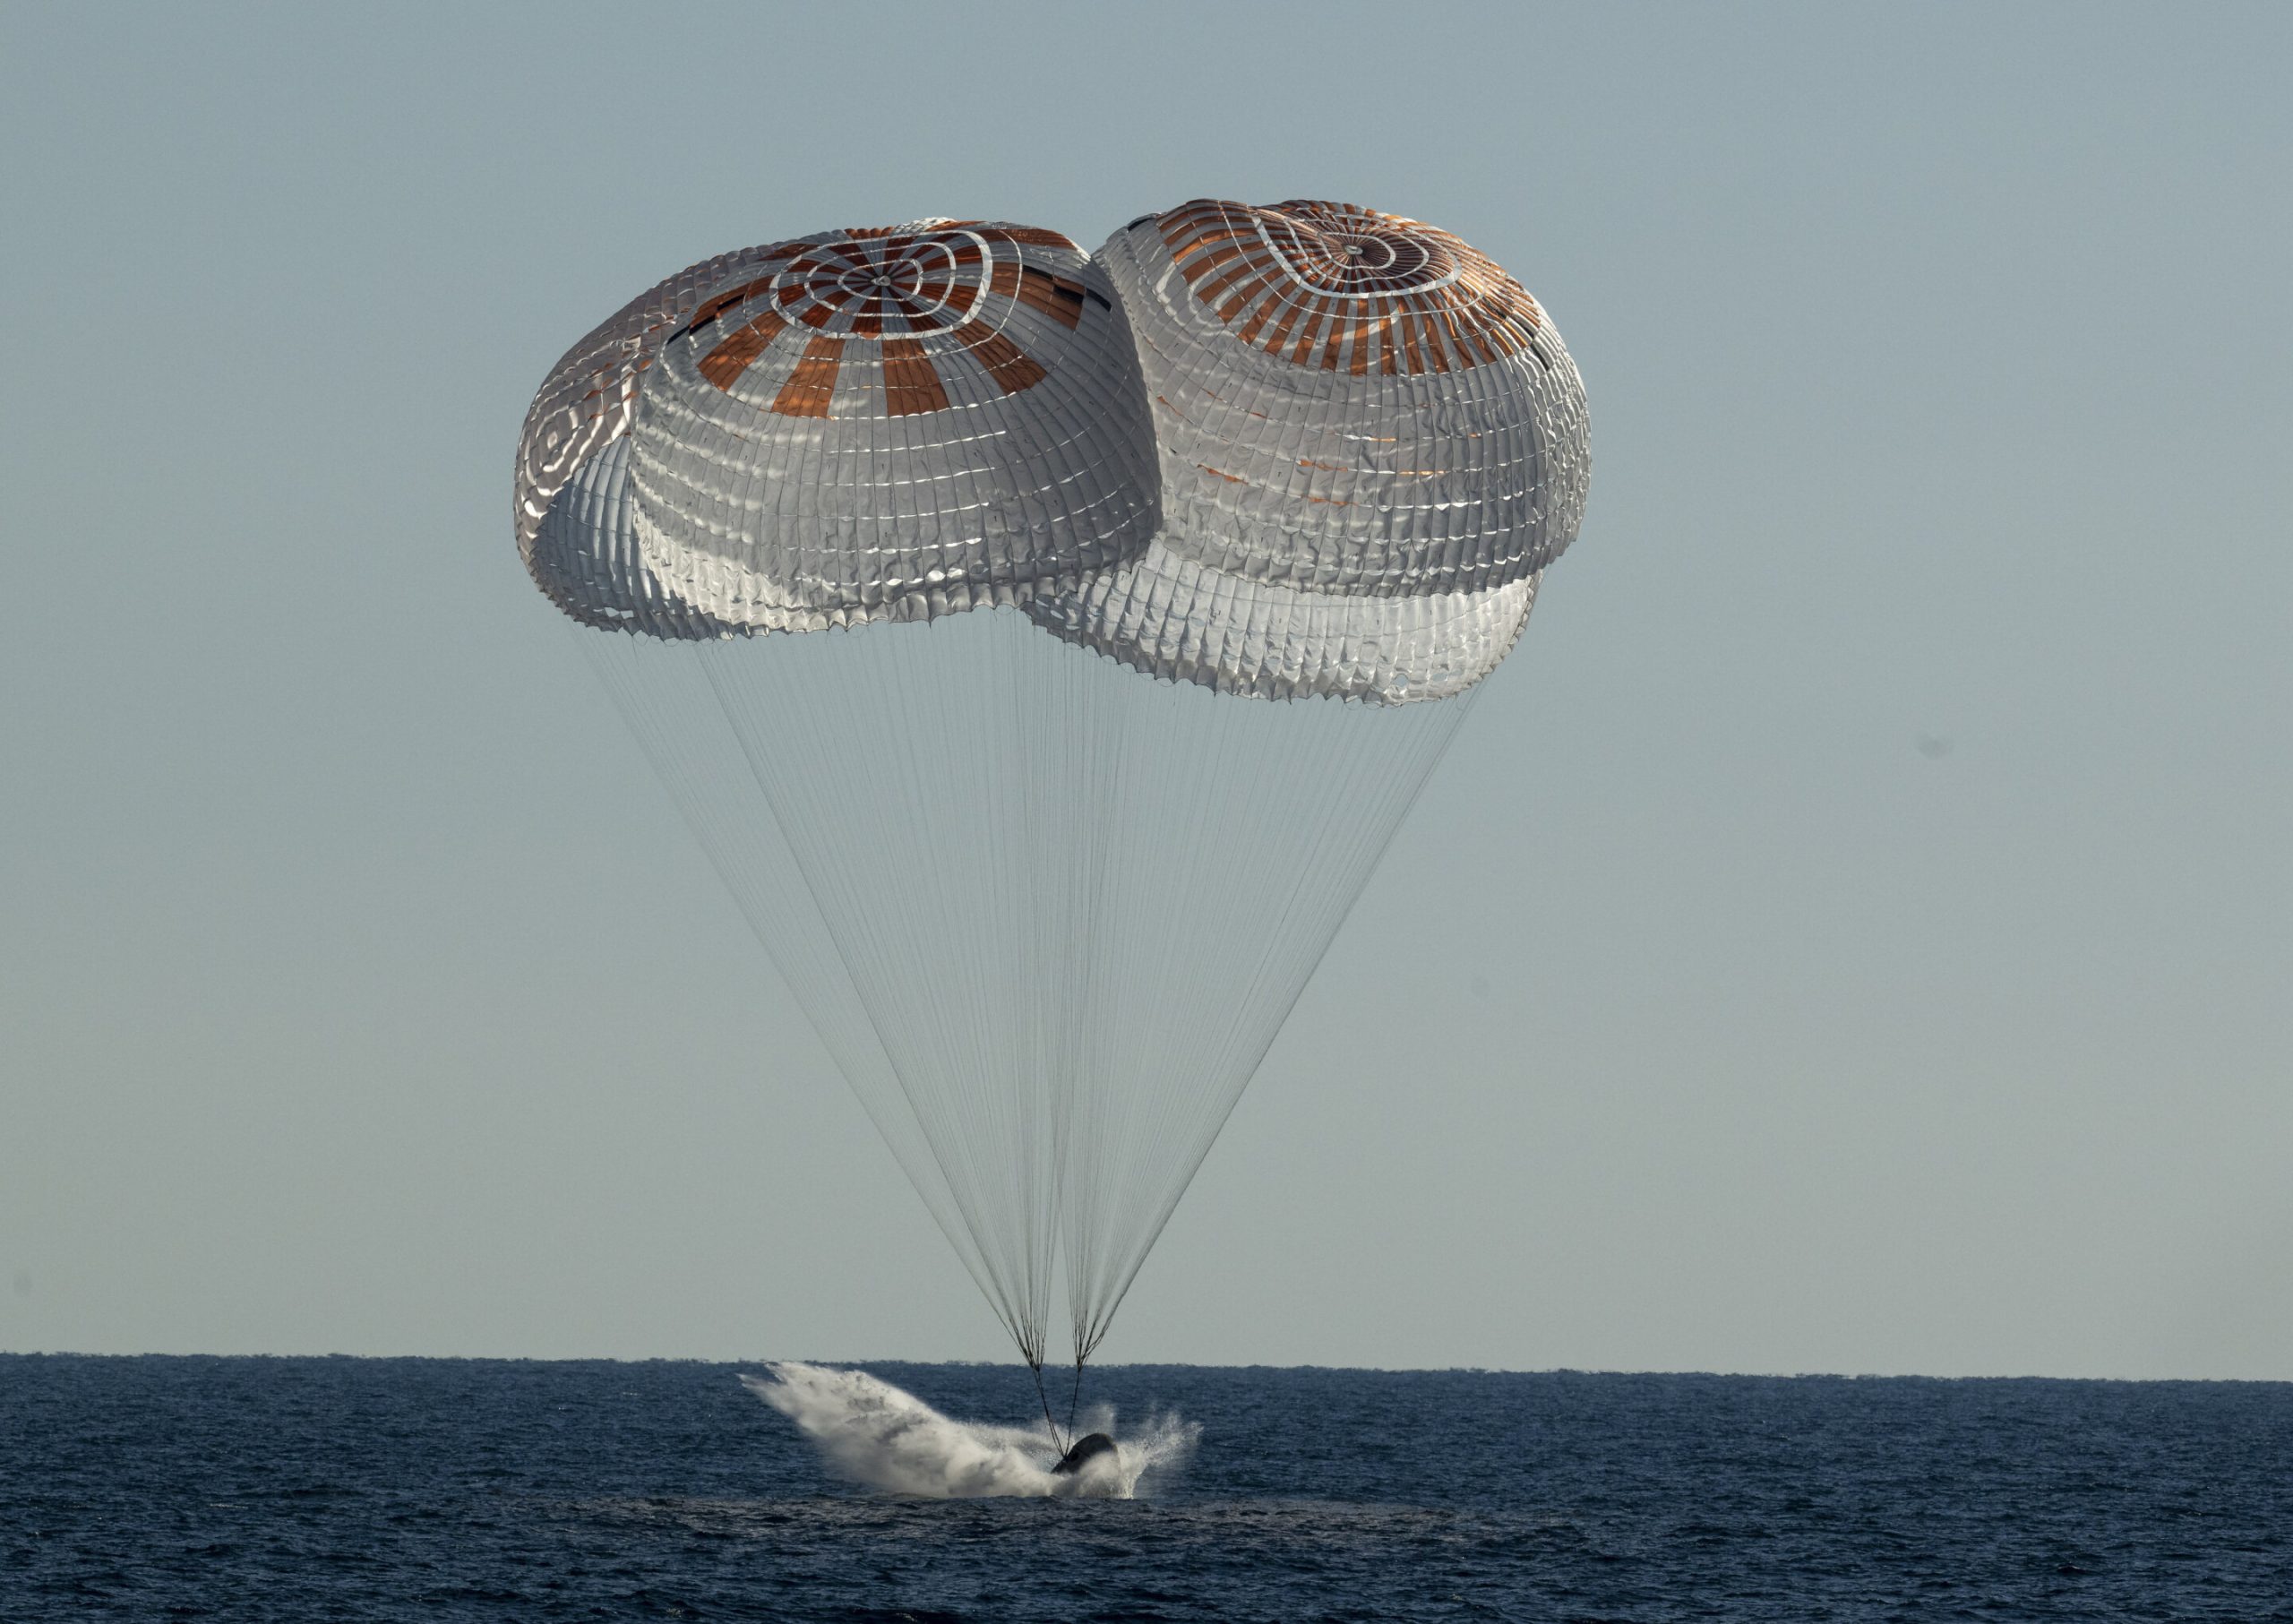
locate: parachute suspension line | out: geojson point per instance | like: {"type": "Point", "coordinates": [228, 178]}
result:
{"type": "Point", "coordinates": [1292, 804]}
{"type": "Point", "coordinates": [1046, 914]}
{"type": "Point", "coordinates": [1074, 1397]}
{"type": "Point", "coordinates": [935, 784]}
{"type": "Point", "coordinates": [1034, 1366]}
{"type": "Point", "coordinates": [667, 695]}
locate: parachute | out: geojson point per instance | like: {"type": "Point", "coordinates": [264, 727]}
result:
{"type": "Point", "coordinates": [1045, 646]}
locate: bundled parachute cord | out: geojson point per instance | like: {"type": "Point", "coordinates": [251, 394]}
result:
{"type": "Point", "coordinates": [1042, 1397]}
{"type": "Point", "coordinates": [1074, 1397]}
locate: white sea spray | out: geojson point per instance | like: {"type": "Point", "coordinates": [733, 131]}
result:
{"type": "Point", "coordinates": [871, 1432]}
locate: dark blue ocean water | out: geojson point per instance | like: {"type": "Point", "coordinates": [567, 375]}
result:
{"type": "Point", "coordinates": [341, 1489]}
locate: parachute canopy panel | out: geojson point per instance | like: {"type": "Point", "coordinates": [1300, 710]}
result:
{"type": "Point", "coordinates": [894, 423]}
{"type": "Point", "coordinates": [574, 525]}
{"type": "Point", "coordinates": [1372, 441]}
{"type": "Point", "coordinates": [1349, 401]}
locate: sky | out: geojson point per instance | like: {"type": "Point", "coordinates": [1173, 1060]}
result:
{"type": "Point", "coordinates": [1852, 933]}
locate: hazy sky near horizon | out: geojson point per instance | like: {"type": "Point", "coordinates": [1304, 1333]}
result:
{"type": "Point", "coordinates": [1853, 933]}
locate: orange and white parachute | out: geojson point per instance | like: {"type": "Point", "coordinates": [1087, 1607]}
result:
{"type": "Point", "coordinates": [1371, 442]}
{"type": "Point", "coordinates": [1298, 470]}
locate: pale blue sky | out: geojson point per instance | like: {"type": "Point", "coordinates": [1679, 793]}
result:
{"type": "Point", "coordinates": [1852, 933]}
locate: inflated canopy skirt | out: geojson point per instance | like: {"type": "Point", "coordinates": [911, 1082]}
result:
{"type": "Point", "coordinates": [1175, 617]}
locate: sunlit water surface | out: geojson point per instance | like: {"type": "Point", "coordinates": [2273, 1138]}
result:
{"type": "Point", "coordinates": [326, 1489]}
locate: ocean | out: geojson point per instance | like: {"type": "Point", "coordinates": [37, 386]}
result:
{"type": "Point", "coordinates": [156, 1488]}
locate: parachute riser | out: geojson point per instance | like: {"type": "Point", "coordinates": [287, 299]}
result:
{"type": "Point", "coordinates": [1035, 1367]}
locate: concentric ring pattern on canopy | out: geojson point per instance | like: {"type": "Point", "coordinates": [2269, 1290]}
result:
{"type": "Point", "coordinates": [1372, 441]}
{"type": "Point", "coordinates": [571, 507]}
{"type": "Point", "coordinates": [892, 424]}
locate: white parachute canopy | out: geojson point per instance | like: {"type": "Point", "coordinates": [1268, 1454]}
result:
{"type": "Point", "coordinates": [1279, 484]}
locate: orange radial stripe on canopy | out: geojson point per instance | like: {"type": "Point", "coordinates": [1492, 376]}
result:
{"type": "Point", "coordinates": [911, 382]}
{"type": "Point", "coordinates": [711, 308]}
{"type": "Point", "coordinates": [1005, 361]}
{"type": "Point", "coordinates": [1429, 301]}
{"type": "Point", "coordinates": [724, 365]}
{"type": "Point", "coordinates": [809, 387]}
